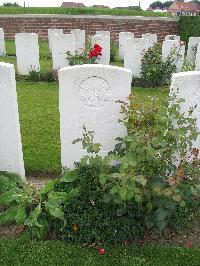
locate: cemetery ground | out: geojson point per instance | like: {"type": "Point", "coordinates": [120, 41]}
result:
{"type": "Point", "coordinates": [58, 253]}
{"type": "Point", "coordinates": [39, 119]}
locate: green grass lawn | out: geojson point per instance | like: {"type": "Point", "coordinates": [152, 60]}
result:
{"type": "Point", "coordinates": [14, 252]}
{"type": "Point", "coordinates": [77, 11]}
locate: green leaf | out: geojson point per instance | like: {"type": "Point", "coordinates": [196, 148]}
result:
{"type": "Point", "coordinates": [8, 216]}
{"type": "Point", "coordinates": [9, 180]}
{"type": "Point", "coordinates": [69, 177]}
{"type": "Point", "coordinates": [103, 179]}
{"type": "Point", "coordinates": [40, 232]}
{"type": "Point", "coordinates": [72, 194]}
{"type": "Point", "coordinates": [7, 197]}
{"type": "Point", "coordinates": [54, 209]}
{"type": "Point", "coordinates": [142, 180]}
{"type": "Point", "coordinates": [63, 197]}
{"type": "Point", "coordinates": [114, 190]}
{"type": "Point", "coordinates": [123, 193]}
{"type": "Point", "coordinates": [138, 198]}
{"type": "Point", "coordinates": [130, 194]}
{"type": "Point", "coordinates": [49, 186]}
{"type": "Point", "coordinates": [32, 219]}
{"type": "Point", "coordinates": [177, 197]}
{"type": "Point", "coordinates": [21, 214]}
{"type": "Point", "coordinates": [161, 214]}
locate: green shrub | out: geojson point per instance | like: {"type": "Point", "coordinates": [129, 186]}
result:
{"type": "Point", "coordinates": [146, 189]}
{"type": "Point", "coordinates": [189, 26]}
{"type": "Point", "coordinates": [156, 71]}
{"type": "Point", "coordinates": [150, 178]}
{"type": "Point", "coordinates": [35, 76]}
{"type": "Point", "coordinates": [114, 51]}
{"type": "Point", "coordinates": [188, 66]}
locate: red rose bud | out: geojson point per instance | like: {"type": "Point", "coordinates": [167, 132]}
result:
{"type": "Point", "coordinates": [102, 251]}
{"type": "Point", "coordinates": [125, 242]}
{"type": "Point", "coordinates": [141, 242]}
{"type": "Point", "coordinates": [189, 244]}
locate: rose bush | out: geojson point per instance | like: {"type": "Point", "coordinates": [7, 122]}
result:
{"type": "Point", "coordinates": [90, 55]}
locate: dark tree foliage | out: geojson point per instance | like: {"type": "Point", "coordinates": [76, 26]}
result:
{"type": "Point", "coordinates": [160, 5]}
{"type": "Point", "coordinates": [11, 4]}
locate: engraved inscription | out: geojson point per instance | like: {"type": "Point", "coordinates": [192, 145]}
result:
{"type": "Point", "coordinates": [94, 92]}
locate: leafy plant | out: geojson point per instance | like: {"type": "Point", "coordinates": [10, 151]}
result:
{"type": "Point", "coordinates": [114, 52]}
{"type": "Point", "coordinates": [155, 176]}
{"type": "Point", "coordinates": [34, 76]}
{"type": "Point", "coordinates": [37, 210]}
{"type": "Point", "coordinates": [156, 71]}
{"type": "Point", "coordinates": [188, 66]}
{"type": "Point", "coordinates": [90, 218]}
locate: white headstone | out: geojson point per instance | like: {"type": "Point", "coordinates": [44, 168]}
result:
{"type": "Point", "coordinates": [134, 52]}
{"type": "Point", "coordinates": [197, 62]}
{"type": "Point", "coordinates": [176, 50]}
{"type": "Point", "coordinates": [172, 38]}
{"type": "Point", "coordinates": [104, 42]}
{"type": "Point", "coordinates": [61, 45]}
{"type": "Point", "coordinates": [79, 40]}
{"type": "Point", "coordinates": [123, 36]}
{"type": "Point", "coordinates": [87, 97]}
{"type": "Point", "coordinates": [2, 43]}
{"type": "Point", "coordinates": [192, 48]}
{"type": "Point", "coordinates": [11, 156]}
{"type": "Point", "coordinates": [51, 33]}
{"type": "Point", "coordinates": [153, 38]}
{"type": "Point", "coordinates": [186, 85]}
{"type": "Point", "coordinates": [27, 52]}
{"type": "Point", "coordinates": [102, 32]}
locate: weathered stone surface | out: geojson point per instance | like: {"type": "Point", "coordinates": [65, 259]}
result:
{"type": "Point", "coordinates": [51, 33]}
{"type": "Point", "coordinates": [192, 48]}
{"type": "Point", "coordinates": [102, 32]}
{"type": "Point", "coordinates": [11, 156]}
{"type": "Point", "coordinates": [197, 62]}
{"type": "Point", "coordinates": [176, 51]}
{"type": "Point", "coordinates": [186, 85]}
{"type": "Point", "coordinates": [123, 36]}
{"type": "Point", "coordinates": [172, 38]}
{"type": "Point", "coordinates": [27, 52]}
{"type": "Point", "coordinates": [104, 42]}
{"type": "Point", "coordinates": [2, 43]}
{"type": "Point", "coordinates": [61, 46]}
{"type": "Point", "coordinates": [87, 97]}
{"type": "Point", "coordinates": [153, 38]}
{"type": "Point", "coordinates": [134, 52]}
{"type": "Point", "coordinates": [79, 40]}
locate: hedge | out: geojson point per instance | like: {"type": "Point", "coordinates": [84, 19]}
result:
{"type": "Point", "coordinates": [189, 27]}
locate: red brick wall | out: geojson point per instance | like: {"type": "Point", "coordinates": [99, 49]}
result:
{"type": "Point", "coordinates": [41, 23]}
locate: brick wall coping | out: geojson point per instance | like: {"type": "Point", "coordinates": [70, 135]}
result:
{"type": "Point", "coordinates": [61, 16]}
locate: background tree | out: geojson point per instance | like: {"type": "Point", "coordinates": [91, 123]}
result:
{"type": "Point", "coordinates": [160, 5]}
{"type": "Point", "coordinates": [11, 4]}
{"type": "Point", "coordinates": [156, 5]}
